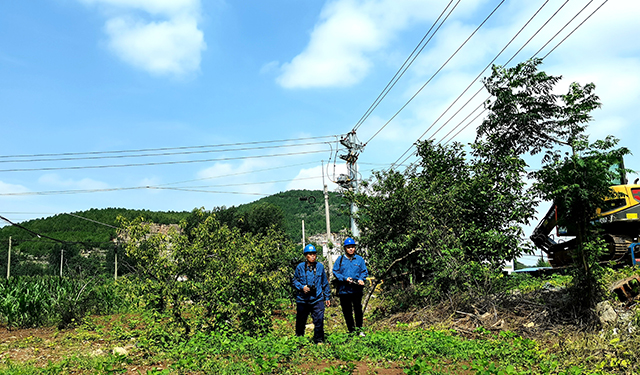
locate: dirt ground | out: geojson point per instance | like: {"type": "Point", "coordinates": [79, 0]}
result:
{"type": "Point", "coordinates": [39, 346]}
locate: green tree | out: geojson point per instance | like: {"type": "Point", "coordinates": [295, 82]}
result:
{"type": "Point", "coordinates": [450, 220]}
{"type": "Point", "coordinates": [261, 218]}
{"type": "Point", "coordinates": [578, 184]}
{"type": "Point", "coordinates": [528, 117]}
{"type": "Point", "coordinates": [233, 279]}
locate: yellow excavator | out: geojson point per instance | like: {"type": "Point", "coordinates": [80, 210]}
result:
{"type": "Point", "coordinates": [619, 221]}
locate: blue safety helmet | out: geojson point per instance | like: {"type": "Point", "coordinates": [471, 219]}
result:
{"type": "Point", "coordinates": [348, 241]}
{"type": "Point", "coordinates": [309, 249]}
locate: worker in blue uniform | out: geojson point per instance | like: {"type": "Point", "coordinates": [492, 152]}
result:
{"type": "Point", "coordinates": [351, 272]}
{"type": "Point", "coordinates": [313, 294]}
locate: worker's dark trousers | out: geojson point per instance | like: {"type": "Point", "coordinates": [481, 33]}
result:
{"type": "Point", "coordinates": [352, 307]}
{"type": "Point", "coordinates": [317, 315]}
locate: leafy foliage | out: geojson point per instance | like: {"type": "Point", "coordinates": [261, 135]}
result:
{"type": "Point", "coordinates": [310, 210]}
{"type": "Point", "coordinates": [230, 279]}
{"type": "Point", "coordinates": [528, 117]}
{"type": "Point", "coordinates": [88, 246]}
{"type": "Point", "coordinates": [450, 221]}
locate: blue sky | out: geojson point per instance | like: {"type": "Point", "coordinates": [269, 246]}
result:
{"type": "Point", "coordinates": [91, 76]}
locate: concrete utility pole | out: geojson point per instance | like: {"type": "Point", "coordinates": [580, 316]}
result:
{"type": "Point", "coordinates": [326, 216]}
{"type": "Point", "coordinates": [350, 180]}
{"type": "Point", "coordinates": [9, 260]}
{"type": "Point", "coordinates": [115, 263]}
{"type": "Point", "coordinates": [303, 244]}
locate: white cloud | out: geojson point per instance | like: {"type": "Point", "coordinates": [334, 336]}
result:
{"type": "Point", "coordinates": [168, 47]}
{"type": "Point", "coordinates": [155, 7]}
{"type": "Point", "coordinates": [311, 178]}
{"type": "Point", "coordinates": [168, 44]}
{"type": "Point", "coordinates": [348, 35]}
{"type": "Point", "coordinates": [241, 177]}
{"type": "Point", "coordinates": [55, 181]}
{"type": "Point", "coordinates": [6, 188]}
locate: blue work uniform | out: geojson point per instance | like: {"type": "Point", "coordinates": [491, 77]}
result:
{"type": "Point", "coordinates": [354, 268]}
{"type": "Point", "coordinates": [350, 294]}
{"type": "Point", "coordinates": [311, 274]}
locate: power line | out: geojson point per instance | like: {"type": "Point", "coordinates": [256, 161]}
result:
{"type": "Point", "coordinates": [153, 187]}
{"type": "Point", "coordinates": [436, 73]}
{"type": "Point", "coordinates": [30, 231]}
{"type": "Point", "coordinates": [180, 153]}
{"type": "Point", "coordinates": [159, 186]}
{"type": "Point", "coordinates": [211, 191]}
{"type": "Point", "coordinates": [405, 65]}
{"type": "Point", "coordinates": [488, 66]}
{"type": "Point", "coordinates": [576, 28]}
{"type": "Point", "coordinates": [105, 190]}
{"type": "Point", "coordinates": [480, 74]}
{"type": "Point", "coordinates": [159, 163]}
{"type": "Point", "coordinates": [547, 43]}
{"type": "Point", "coordinates": [164, 148]}
{"type": "Point", "coordinates": [93, 221]}
{"type": "Point", "coordinates": [571, 20]}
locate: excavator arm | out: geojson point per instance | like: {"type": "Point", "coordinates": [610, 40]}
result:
{"type": "Point", "coordinates": [540, 235]}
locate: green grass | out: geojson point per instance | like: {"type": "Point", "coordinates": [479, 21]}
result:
{"type": "Point", "coordinates": [410, 350]}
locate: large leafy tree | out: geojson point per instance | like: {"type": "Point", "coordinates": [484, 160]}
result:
{"type": "Point", "coordinates": [526, 116]}
{"type": "Point", "coordinates": [454, 213]}
{"type": "Point", "coordinates": [451, 219]}
{"type": "Point", "coordinates": [578, 184]}
{"type": "Point", "coordinates": [529, 117]}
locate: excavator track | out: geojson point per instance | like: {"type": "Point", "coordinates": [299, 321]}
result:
{"type": "Point", "coordinates": [560, 255]}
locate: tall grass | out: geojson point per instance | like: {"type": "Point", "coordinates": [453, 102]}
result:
{"type": "Point", "coordinates": [33, 301]}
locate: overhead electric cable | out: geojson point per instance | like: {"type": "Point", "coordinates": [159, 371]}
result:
{"type": "Point", "coordinates": [436, 73]}
{"type": "Point", "coordinates": [549, 41]}
{"type": "Point", "coordinates": [480, 74]}
{"type": "Point", "coordinates": [489, 65]}
{"type": "Point", "coordinates": [30, 231]}
{"type": "Point", "coordinates": [93, 221]}
{"type": "Point", "coordinates": [163, 154]}
{"type": "Point", "coordinates": [211, 191]}
{"type": "Point", "coordinates": [158, 163]}
{"type": "Point", "coordinates": [405, 65]}
{"type": "Point", "coordinates": [165, 148]}
{"type": "Point", "coordinates": [464, 127]}
{"type": "Point", "coordinates": [83, 191]}
{"type": "Point", "coordinates": [148, 187]}
{"type": "Point", "coordinates": [514, 55]}
{"type": "Point", "coordinates": [576, 28]}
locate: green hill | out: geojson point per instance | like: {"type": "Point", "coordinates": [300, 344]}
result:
{"type": "Point", "coordinates": [80, 233]}
{"type": "Point", "coordinates": [296, 210]}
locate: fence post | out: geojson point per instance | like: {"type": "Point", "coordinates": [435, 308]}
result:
{"type": "Point", "coordinates": [61, 259]}
{"type": "Point", "coordinates": [115, 274]}
{"type": "Point", "coordinates": [9, 260]}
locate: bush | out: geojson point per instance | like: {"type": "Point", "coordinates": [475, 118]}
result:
{"type": "Point", "coordinates": [224, 278]}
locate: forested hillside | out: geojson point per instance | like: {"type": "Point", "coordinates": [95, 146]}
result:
{"type": "Point", "coordinates": [296, 210]}
{"type": "Point", "coordinates": [88, 244]}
